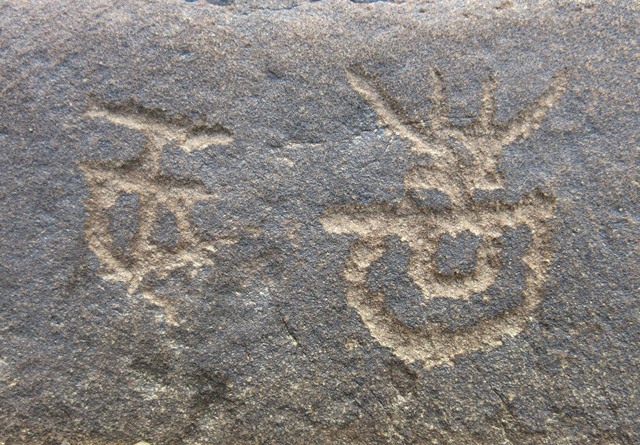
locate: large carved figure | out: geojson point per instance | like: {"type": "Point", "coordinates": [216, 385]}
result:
{"type": "Point", "coordinates": [457, 262]}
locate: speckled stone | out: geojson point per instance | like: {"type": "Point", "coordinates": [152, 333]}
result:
{"type": "Point", "coordinates": [319, 222]}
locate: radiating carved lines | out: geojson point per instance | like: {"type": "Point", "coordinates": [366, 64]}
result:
{"type": "Point", "coordinates": [157, 191]}
{"type": "Point", "coordinates": [459, 191]}
{"type": "Point", "coordinates": [481, 141]}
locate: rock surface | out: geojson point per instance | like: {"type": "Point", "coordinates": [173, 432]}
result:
{"type": "Point", "coordinates": [331, 222]}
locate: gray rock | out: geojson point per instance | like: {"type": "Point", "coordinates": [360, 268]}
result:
{"type": "Point", "coordinates": [330, 222]}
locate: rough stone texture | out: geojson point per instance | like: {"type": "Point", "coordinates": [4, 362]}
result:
{"type": "Point", "coordinates": [219, 222]}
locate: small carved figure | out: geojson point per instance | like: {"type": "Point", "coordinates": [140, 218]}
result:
{"type": "Point", "coordinates": [158, 198]}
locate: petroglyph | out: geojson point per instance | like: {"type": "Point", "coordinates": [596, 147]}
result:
{"type": "Point", "coordinates": [456, 201]}
{"type": "Point", "coordinates": [160, 199]}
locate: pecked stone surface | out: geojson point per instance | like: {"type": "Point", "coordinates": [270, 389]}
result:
{"type": "Point", "coordinates": [332, 222]}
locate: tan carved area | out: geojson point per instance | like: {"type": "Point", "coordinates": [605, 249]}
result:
{"type": "Point", "coordinates": [463, 162]}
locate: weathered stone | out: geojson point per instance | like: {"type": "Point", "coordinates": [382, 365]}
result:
{"type": "Point", "coordinates": [331, 222]}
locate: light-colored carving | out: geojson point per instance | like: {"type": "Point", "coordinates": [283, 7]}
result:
{"type": "Point", "coordinates": [463, 162]}
{"type": "Point", "coordinates": [157, 191]}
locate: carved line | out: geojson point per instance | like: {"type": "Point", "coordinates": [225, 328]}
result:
{"type": "Point", "coordinates": [190, 136]}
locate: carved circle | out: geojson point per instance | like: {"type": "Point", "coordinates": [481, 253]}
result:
{"type": "Point", "coordinates": [434, 344]}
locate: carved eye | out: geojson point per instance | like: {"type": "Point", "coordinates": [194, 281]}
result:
{"type": "Point", "coordinates": [457, 254]}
